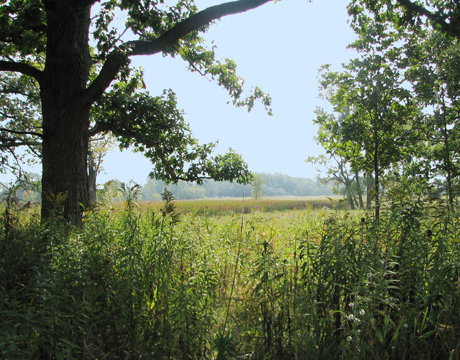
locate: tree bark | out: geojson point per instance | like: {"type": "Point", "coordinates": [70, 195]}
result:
{"type": "Point", "coordinates": [92, 176]}
{"type": "Point", "coordinates": [65, 120]}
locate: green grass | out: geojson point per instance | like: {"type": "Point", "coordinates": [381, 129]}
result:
{"type": "Point", "coordinates": [290, 284]}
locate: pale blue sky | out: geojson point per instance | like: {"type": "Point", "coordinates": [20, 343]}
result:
{"type": "Point", "coordinates": [278, 47]}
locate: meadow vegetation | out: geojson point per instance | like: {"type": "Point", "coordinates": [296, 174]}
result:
{"type": "Point", "coordinates": [231, 206]}
{"type": "Point", "coordinates": [293, 284]}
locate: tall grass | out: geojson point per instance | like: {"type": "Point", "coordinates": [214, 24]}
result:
{"type": "Point", "coordinates": [233, 206]}
{"type": "Point", "coordinates": [299, 284]}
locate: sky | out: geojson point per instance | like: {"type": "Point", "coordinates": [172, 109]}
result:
{"type": "Point", "coordinates": [278, 47]}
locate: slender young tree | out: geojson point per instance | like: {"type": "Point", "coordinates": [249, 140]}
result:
{"type": "Point", "coordinates": [86, 90]}
{"type": "Point", "coordinates": [379, 123]}
{"type": "Point", "coordinates": [428, 33]}
{"type": "Point", "coordinates": [257, 184]}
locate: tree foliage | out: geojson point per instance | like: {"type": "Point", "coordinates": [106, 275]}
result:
{"type": "Point", "coordinates": [374, 133]}
{"type": "Point", "coordinates": [395, 108]}
{"type": "Point", "coordinates": [65, 77]}
{"type": "Point", "coordinates": [257, 186]}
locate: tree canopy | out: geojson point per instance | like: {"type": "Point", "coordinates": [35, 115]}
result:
{"type": "Point", "coordinates": [65, 77]}
{"type": "Point", "coordinates": [395, 108]}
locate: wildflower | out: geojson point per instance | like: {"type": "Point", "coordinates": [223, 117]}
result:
{"type": "Point", "coordinates": [349, 339]}
{"type": "Point", "coordinates": [406, 326]}
{"type": "Point", "coordinates": [351, 317]}
{"type": "Point", "coordinates": [351, 305]}
{"type": "Point", "coordinates": [362, 312]}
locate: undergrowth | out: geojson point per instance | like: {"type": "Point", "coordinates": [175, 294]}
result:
{"type": "Point", "coordinates": [303, 284]}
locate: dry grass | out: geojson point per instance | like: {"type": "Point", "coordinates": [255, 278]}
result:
{"type": "Point", "coordinates": [235, 205]}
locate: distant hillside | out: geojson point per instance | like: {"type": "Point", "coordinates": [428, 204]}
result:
{"type": "Point", "coordinates": [275, 185]}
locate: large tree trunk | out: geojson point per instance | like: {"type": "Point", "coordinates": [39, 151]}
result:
{"type": "Point", "coordinates": [65, 118]}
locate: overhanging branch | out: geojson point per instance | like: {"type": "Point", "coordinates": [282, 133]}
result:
{"type": "Point", "coordinates": [192, 23]}
{"type": "Point", "coordinates": [21, 68]}
{"type": "Point", "coordinates": [118, 58]}
{"type": "Point", "coordinates": [437, 18]}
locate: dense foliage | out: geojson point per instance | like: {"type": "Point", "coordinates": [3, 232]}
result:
{"type": "Point", "coordinates": [395, 108]}
{"type": "Point", "coordinates": [320, 284]}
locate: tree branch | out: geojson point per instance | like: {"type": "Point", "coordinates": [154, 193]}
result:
{"type": "Point", "coordinates": [22, 132]}
{"type": "Point", "coordinates": [22, 143]}
{"type": "Point", "coordinates": [98, 128]}
{"type": "Point", "coordinates": [118, 57]}
{"type": "Point", "coordinates": [437, 19]}
{"type": "Point", "coordinates": [21, 68]}
{"type": "Point", "coordinates": [101, 127]}
{"type": "Point", "coordinates": [192, 23]}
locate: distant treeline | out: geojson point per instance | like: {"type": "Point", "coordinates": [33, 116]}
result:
{"type": "Point", "coordinates": [275, 185]}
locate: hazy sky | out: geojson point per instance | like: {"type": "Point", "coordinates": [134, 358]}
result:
{"type": "Point", "coordinates": [278, 47]}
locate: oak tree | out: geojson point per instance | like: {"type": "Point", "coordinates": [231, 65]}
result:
{"type": "Point", "coordinates": [66, 76]}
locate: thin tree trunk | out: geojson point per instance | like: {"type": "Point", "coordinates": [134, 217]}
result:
{"type": "Point", "coordinates": [447, 160]}
{"type": "Point", "coordinates": [369, 187]}
{"type": "Point", "coordinates": [349, 195]}
{"type": "Point", "coordinates": [360, 192]}
{"type": "Point", "coordinates": [376, 193]}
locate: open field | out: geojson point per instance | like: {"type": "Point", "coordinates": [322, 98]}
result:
{"type": "Point", "coordinates": [282, 284]}
{"type": "Point", "coordinates": [228, 206]}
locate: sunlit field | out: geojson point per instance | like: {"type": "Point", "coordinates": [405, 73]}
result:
{"type": "Point", "coordinates": [228, 206]}
{"type": "Point", "coordinates": [317, 282]}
